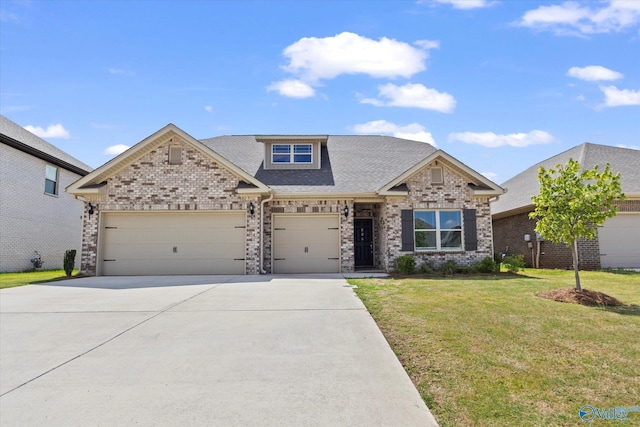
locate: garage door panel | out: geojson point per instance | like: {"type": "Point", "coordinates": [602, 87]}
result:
{"type": "Point", "coordinates": [173, 243]}
{"type": "Point", "coordinates": [618, 240]}
{"type": "Point", "coordinates": [306, 244]}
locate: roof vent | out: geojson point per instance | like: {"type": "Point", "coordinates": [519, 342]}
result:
{"type": "Point", "coordinates": [437, 177]}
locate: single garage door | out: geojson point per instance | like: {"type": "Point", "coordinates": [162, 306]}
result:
{"type": "Point", "coordinates": [306, 243]}
{"type": "Point", "coordinates": [619, 240]}
{"type": "Point", "coordinates": [164, 243]}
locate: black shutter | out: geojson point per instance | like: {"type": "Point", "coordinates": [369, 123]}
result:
{"type": "Point", "coordinates": [470, 232]}
{"type": "Point", "coordinates": [406, 215]}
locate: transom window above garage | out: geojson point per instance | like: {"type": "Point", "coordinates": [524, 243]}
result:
{"type": "Point", "coordinates": [292, 153]}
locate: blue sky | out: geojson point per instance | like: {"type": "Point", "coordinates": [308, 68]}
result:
{"type": "Point", "coordinates": [500, 85]}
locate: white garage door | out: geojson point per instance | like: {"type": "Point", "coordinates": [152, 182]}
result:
{"type": "Point", "coordinates": [619, 240]}
{"type": "Point", "coordinates": [163, 243]}
{"type": "Point", "coordinates": [306, 243]}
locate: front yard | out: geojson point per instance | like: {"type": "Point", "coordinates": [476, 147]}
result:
{"type": "Point", "coordinates": [11, 280]}
{"type": "Point", "coordinates": [487, 351]}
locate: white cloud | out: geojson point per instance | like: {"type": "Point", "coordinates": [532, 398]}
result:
{"type": "Point", "coordinates": [413, 95]}
{"type": "Point", "coordinates": [208, 108]}
{"type": "Point", "coordinates": [313, 59]}
{"type": "Point", "coordinates": [120, 71]}
{"type": "Point", "coordinates": [114, 150]}
{"type": "Point", "coordinates": [614, 97]}
{"type": "Point", "coordinates": [492, 140]}
{"type": "Point", "coordinates": [292, 88]}
{"type": "Point", "coordinates": [593, 73]}
{"type": "Point", "coordinates": [413, 131]}
{"type": "Point", "coordinates": [491, 175]}
{"type": "Point", "coordinates": [465, 4]}
{"type": "Point", "coordinates": [631, 147]}
{"type": "Point", "coordinates": [575, 18]}
{"type": "Point", "coordinates": [53, 131]}
{"type": "Point", "coordinates": [428, 44]}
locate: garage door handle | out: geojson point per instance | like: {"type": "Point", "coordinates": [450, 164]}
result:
{"type": "Point", "coordinates": [333, 259]}
{"type": "Point", "coordinates": [279, 228]}
{"type": "Point", "coordinates": [239, 259]}
{"type": "Point", "coordinates": [332, 228]}
{"type": "Point", "coordinates": [108, 260]}
{"type": "Point", "coordinates": [110, 228]}
{"type": "Point", "coordinates": [279, 259]}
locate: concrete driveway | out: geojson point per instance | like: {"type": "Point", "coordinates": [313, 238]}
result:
{"type": "Point", "coordinates": [202, 350]}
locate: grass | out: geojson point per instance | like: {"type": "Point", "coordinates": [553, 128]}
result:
{"type": "Point", "coordinates": [486, 351]}
{"type": "Point", "coordinates": [11, 280]}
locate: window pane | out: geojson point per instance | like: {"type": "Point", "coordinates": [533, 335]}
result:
{"type": "Point", "coordinates": [49, 186]}
{"type": "Point", "coordinates": [425, 220]}
{"type": "Point", "coordinates": [450, 220]}
{"type": "Point", "coordinates": [281, 149]}
{"type": "Point", "coordinates": [51, 173]}
{"type": "Point", "coordinates": [425, 240]}
{"type": "Point", "coordinates": [451, 239]}
{"type": "Point", "coordinates": [302, 149]}
{"type": "Point", "coordinates": [281, 158]}
{"type": "Point", "coordinates": [302, 158]}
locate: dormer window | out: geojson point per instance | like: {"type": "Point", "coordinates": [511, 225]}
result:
{"type": "Point", "coordinates": [291, 153]}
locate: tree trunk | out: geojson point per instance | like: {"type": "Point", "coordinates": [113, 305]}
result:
{"type": "Point", "coordinates": [574, 254]}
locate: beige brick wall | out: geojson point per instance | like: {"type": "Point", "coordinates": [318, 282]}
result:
{"type": "Point", "coordinates": [453, 194]}
{"type": "Point", "coordinates": [152, 184]}
{"type": "Point", "coordinates": [31, 220]}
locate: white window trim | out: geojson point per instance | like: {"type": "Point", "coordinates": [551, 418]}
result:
{"type": "Point", "coordinates": [438, 230]}
{"type": "Point", "coordinates": [292, 154]}
{"type": "Point", "coordinates": [56, 182]}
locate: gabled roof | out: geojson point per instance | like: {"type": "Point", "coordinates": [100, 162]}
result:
{"type": "Point", "coordinates": [19, 138]}
{"type": "Point", "coordinates": [351, 164]}
{"type": "Point", "coordinates": [479, 185]}
{"type": "Point", "coordinates": [94, 182]}
{"type": "Point", "coordinates": [525, 185]}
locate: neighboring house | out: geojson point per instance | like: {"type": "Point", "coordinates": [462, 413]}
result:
{"type": "Point", "coordinates": [280, 204]}
{"type": "Point", "coordinates": [36, 215]}
{"type": "Point", "coordinates": [618, 241]}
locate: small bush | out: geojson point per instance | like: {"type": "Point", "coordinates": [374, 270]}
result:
{"type": "Point", "coordinates": [406, 264]}
{"type": "Point", "coordinates": [427, 268]}
{"type": "Point", "coordinates": [449, 267]}
{"type": "Point", "coordinates": [514, 263]}
{"type": "Point", "coordinates": [487, 265]}
{"type": "Point", "coordinates": [69, 261]}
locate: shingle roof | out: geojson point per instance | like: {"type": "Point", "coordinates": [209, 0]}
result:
{"type": "Point", "coordinates": [29, 140]}
{"type": "Point", "coordinates": [523, 186]}
{"type": "Point", "coordinates": [350, 164]}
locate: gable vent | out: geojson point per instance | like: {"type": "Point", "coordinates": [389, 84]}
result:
{"type": "Point", "coordinates": [175, 155]}
{"type": "Point", "coordinates": [437, 177]}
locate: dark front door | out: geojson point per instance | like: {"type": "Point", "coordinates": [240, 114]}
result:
{"type": "Point", "coordinates": [363, 241]}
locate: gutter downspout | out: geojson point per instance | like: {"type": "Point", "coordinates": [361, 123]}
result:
{"type": "Point", "coordinates": [262, 203]}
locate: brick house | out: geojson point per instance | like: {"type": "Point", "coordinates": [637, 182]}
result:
{"type": "Point", "coordinates": [617, 244]}
{"type": "Point", "coordinates": [172, 204]}
{"type": "Point", "coordinates": [36, 215]}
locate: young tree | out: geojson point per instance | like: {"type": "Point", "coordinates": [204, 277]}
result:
{"type": "Point", "coordinates": [573, 203]}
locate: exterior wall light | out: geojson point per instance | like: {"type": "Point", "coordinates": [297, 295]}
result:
{"type": "Point", "coordinates": [346, 211]}
{"type": "Point", "coordinates": [90, 209]}
{"type": "Point", "coordinates": [252, 208]}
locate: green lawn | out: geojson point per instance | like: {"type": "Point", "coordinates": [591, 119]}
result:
{"type": "Point", "coordinates": [10, 280]}
{"type": "Point", "coordinates": [486, 351]}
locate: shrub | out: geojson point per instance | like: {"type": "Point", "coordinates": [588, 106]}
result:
{"type": "Point", "coordinates": [514, 263]}
{"type": "Point", "coordinates": [449, 267]}
{"type": "Point", "coordinates": [69, 261]}
{"type": "Point", "coordinates": [406, 264]}
{"type": "Point", "coordinates": [427, 267]}
{"type": "Point", "coordinates": [487, 265]}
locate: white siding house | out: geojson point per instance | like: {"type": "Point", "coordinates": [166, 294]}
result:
{"type": "Point", "coordinates": [36, 215]}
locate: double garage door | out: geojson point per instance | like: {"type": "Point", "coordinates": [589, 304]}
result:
{"type": "Point", "coordinates": [306, 244]}
{"type": "Point", "coordinates": [619, 240]}
{"type": "Point", "coordinates": [163, 243]}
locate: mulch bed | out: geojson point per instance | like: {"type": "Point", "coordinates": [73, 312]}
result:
{"type": "Point", "coordinates": [586, 297]}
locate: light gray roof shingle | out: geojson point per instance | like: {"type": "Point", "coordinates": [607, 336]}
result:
{"type": "Point", "coordinates": [523, 186]}
{"type": "Point", "coordinates": [21, 135]}
{"type": "Point", "coordinates": [350, 164]}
